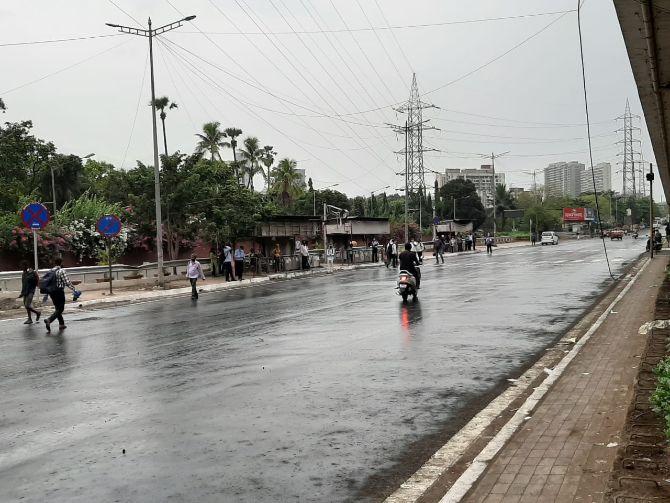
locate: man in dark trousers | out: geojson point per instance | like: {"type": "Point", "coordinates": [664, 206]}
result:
{"type": "Point", "coordinates": [55, 284]}
{"type": "Point", "coordinates": [408, 262]}
{"type": "Point", "coordinates": [29, 281]}
{"type": "Point", "coordinates": [193, 273]}
{"type": "Point", "coordinates": [239, 262]}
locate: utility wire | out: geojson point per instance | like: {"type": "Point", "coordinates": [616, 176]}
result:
{"type": "Point", "coordinates": [61, 70]}
{"type": "Point", "coordinates": [137, 110]}
{"type": "Point", "coordinates": [57, 40]}
{"type": "Point", "coordinates": [588, 133]}
{"type": "Point", "coordinates": [389, 27]}
{"type": "Point", "coordinates": [130, 16]}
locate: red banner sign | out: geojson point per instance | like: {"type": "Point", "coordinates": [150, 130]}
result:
{"type": "Point", "coordinates": [574, 214]}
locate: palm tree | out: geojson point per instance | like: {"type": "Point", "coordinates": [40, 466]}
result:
{"type": "Point", "coordinates": [268, 158]}
{"type": "Point", "coordinates": [161, 104]}
{"type": "Point", "coordinates": [233, 133]}
{"type": "Point", "coordinates": [286, 181]}
{"type": "Point", "coordinates": [251, 154]}
{"type": "Point", "coordinates": [211, 141]}
{"type": "Point", "coordinates": [504, 201]}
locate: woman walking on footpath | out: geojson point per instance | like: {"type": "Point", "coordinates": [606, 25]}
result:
{"type": "Point", "coordinates": [29, 281]}
{"type": "Point", "coordinates": [194, 272]}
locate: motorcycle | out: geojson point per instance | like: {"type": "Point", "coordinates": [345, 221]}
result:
{"type": "Point", "coordinates": [406, 286]}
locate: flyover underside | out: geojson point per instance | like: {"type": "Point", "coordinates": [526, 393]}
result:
{"type": "Point", "coordinates": [645, 25]}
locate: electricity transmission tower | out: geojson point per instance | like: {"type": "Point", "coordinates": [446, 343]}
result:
{"type": "Point", "coordinates": [415, 125]}
{"type": "Point", "coordinates": [629, 155]}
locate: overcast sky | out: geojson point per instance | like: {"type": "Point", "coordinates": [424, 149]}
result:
{"type": "Point", "coordinates": [325, 99]}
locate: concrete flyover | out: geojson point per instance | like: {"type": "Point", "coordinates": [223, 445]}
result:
{"type": "Point", "coordinates": [645, 25]}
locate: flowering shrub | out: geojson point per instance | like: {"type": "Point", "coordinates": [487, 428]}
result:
{"type": "Point", "coordinates": [86, 242]}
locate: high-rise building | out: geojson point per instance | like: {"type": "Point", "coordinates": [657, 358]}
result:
{"type": "Point", "coordinates": [603, 176]}
{"type": "Point", "coordinates": [563, 178]}
{"type": "Point", "coordinates": [482, 179]}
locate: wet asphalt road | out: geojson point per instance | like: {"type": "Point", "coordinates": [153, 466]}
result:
{"type": "Point", "coordinates": [306, 390]}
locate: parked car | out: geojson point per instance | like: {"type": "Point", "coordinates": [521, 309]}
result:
{"type": "Point", "coordinates": [549, 238]}
{"type": "Point", "coordinates": [616, 234]}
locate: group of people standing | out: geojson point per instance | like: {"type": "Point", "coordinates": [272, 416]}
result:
{"type": "Point", "coordinates": [452, 244]}
{"type": "Point", "coordinates": [228, 262]}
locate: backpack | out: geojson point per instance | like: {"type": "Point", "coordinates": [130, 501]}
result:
{"type": "Point", "coordinates": [48, 282]}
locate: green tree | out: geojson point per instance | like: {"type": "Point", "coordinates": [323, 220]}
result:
{"type": "Point", "coordinates": [162, 104]}
{"type": "Point", "coordinates": [232, 133]}
{"type": "Point", "coordinates": [286, 182]}
{"type": "Point", "coordinates": [468, 204]}
{"type": "Point", "coordinates": [211, 140]}
{"type": "Point", "coordinates": [251, 153]}
{"type": "Point", "coordinates": [3, 107]}
{"type": "Point", "coordinates": [268, 158]}
{"type": "Point", "coordinates": [68, 177]}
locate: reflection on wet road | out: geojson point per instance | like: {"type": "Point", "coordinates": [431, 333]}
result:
{"type": "Point", "coordinates": [303, 390]}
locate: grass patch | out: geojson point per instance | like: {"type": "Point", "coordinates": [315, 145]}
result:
{"type": "Point", "coordinates": [660, 399]}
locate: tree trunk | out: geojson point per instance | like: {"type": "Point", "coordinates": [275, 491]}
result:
{"type": "Point", "coordinates": [164, 137]}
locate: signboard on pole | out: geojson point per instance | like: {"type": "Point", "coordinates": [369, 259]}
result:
{"type": "Point", "coordinates": [109, 226]}
{"type": "Point", "coordinates": [574, 214]}
{"type": "Point", "coordinates": [35, 216]}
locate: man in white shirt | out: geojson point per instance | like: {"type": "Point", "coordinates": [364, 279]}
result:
{"type": "Point", "coordinates": [228, 262]}
{"type": "Point", "coordinates": [304, 252]}
{"type": "Point", "coordinates": [193, 273]}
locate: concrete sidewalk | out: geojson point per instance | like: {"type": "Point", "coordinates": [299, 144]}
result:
{"type": "Point", "coordinates": [566, 446]}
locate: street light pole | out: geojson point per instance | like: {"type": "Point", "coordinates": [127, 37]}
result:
{"type": "Point", "coordinates": [151, 33]}
{"type": "Point", "coordinates": [314, 194]}
{"type": "Point", "coordinates": [53, 186]}
{"type": "Point", "coordinates": [650, 178]}
{"type": "Point", "coordinates": [406, 181]}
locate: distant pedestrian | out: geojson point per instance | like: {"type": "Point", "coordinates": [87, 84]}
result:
{"type": "Point", "coordinates": [276, 256]}
{"type": "Point", "coordinates": [375, 254]}
{"type": "Point", "coordinates": [54, 283]}
{"type": "Point", "coordinates": [29, 281]}
{"type": "Point", "coordinates": [452, 244]}
{"type": "Point", "coordinates": [388, 251]}
{"type": "Point", "coordinates": [330, 257]}
{"type": "Point", "coordinates": [228, 262]}
{"type": "Point", "coordinates": [533, 238]}
{"type": "Point", "coordinates": [473, 238]}
{"type": "Point", "coordinates": [239, 262]}
{"type": "Point", "coordinates": [459, 242]}
{"type": "Point", "coordinates": [439, 249]}
{"type": "Point", "coordinates": [419, 250]}
{"type": "Point", "coordinates": [394, 253]}
{"type": "Point", "coordinates": [304, 255]}
{"type": "Point", "coordinates": [193, 273]}
{"type": "Point", "coordinates": [213, 261]}
{"type": "Point", "coordinates": [489, 244]}
{"type": "Point", "coordinates": [350, 252]}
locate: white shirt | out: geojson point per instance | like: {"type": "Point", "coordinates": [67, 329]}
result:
{"type": "Point", "coordinates": [194, 270]}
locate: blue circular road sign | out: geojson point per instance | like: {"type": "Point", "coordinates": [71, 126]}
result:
{"type": "Point", "coordinates": [35, 216]}
{"type": "Point", "coordinates": [109, 226]}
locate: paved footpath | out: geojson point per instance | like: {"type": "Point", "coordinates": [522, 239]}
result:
{"type": "Point", "coordinates": [565, 452]}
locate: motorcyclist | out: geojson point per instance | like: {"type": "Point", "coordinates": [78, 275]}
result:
{"type": "Point", "coordinates": [408, 262]}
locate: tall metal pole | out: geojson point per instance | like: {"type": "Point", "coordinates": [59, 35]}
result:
{"type": "Point", "coordinates": [35, 248]}
{"type": "Point", "coordinates": [157, 173]}
{"type": "Point", "coordinates": [650, 177]}
{"type": "Point", "coordinates": [53, 187]}
{"type": "Point", "coordinates": [493, 169]}
{"type": "Point", "coordinates": [434, 211]}
{"type": "Point", "coordinates": [406, 181]}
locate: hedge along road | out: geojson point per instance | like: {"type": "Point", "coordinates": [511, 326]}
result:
{"type": "Point", "coordinates": [322, 389]}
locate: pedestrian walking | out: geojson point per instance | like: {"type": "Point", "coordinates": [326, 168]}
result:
{"type": "Point", "coordinates": [452, 243]}
{"type": "Point", "coordinates": [394, 253]}
{"type": "Point", "coordinates": [533, 238]}
{"type": "Point", "coordinates": [29, 281]}
{"type": "Point", "coordinates": [193, 273]}
{"type": "Point", "coordinates": [489, 244]}
{"type": "Point", "coordinates": [375, 254]}
{"type": "Point", "coordinates": [330, 257]}
{"type": "Point", "coordinates": [419, 250]}
{"type": "Point", "coordinates": [439, 249]}
{"type": "Point", "coordinates": [388, 250]}
{"type": "Point", "coordinates": [276, 255]}
{"type": "Point", "coordinates": [228, 262]}
{"type": "Point", "coordinates": [304, 255]}
{"type": "Point", "coordinates": [473, 238]}
{"type": "Point", "coordinates": [53, 283]}
{"type": "Point", "coordinates": [350, 252]}
{"type": "Point", "coordinates": [239, 262]}
{"type": "Point", "coordinates": [213, 261]}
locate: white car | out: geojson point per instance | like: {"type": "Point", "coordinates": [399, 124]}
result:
{"type": "Point", "coordinates": [549, 238]}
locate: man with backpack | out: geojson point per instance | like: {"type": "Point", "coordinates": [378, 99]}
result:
{"type": "Point", "coordinates": [53, 283]}
{"type": "Point", "coordinates": [29, 280]}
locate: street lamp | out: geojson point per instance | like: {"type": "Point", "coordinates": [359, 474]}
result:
{"type": "Point", "coordinates": [150, 34]}
{"type": "Point", "coordinates": [372, 194]}
{"type": "Point", "coordinates": [314, 194]}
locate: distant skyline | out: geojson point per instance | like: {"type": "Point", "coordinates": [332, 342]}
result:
{"type": "Point", "coordinates": [317, 80]}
